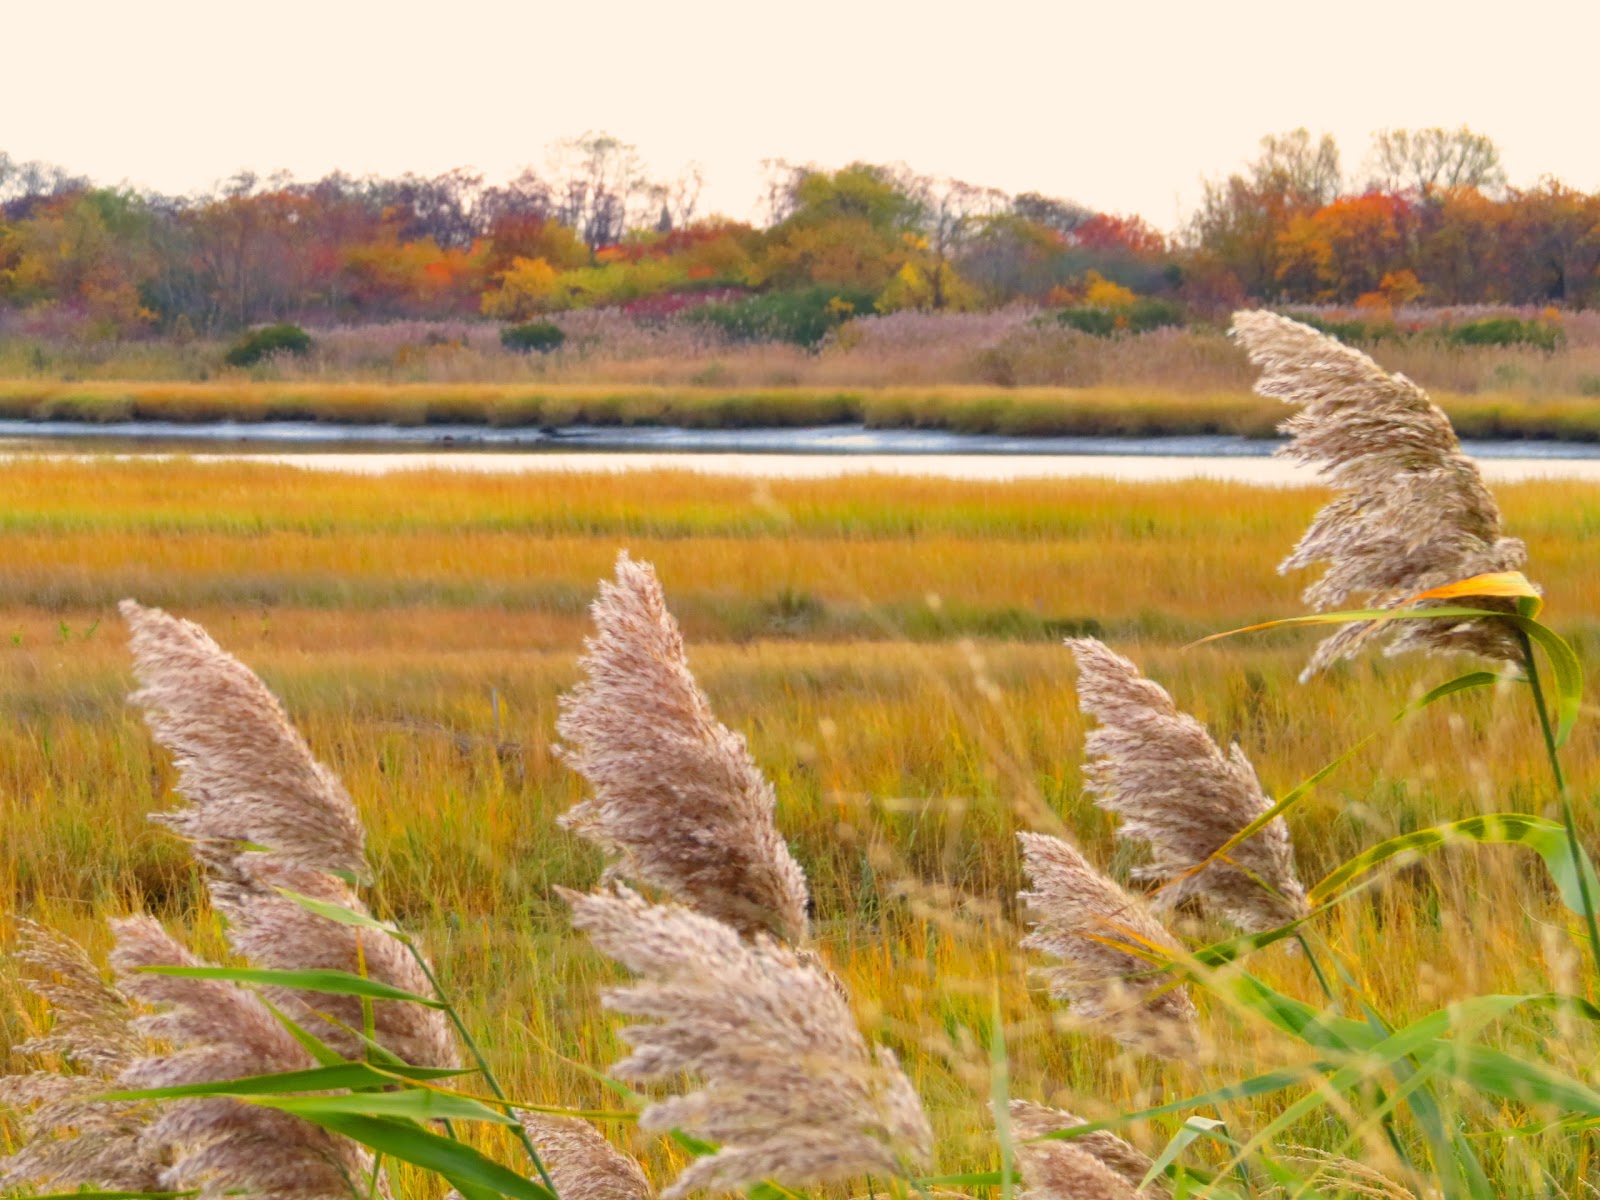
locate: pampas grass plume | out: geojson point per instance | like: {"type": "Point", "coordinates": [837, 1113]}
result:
{"type": "Point", "coordinates": [582, 1164]}
{"type": "Point", "coordinates": [1099, 936]}
{"type": "Point", "coordinates": [1177, 793]}
{"type": "Point", "coordinates": [1413, 512]}
{"type": "Point", "coordinates": [674, 791]}
{"type": "Point", "coordinates": [788, 1088]}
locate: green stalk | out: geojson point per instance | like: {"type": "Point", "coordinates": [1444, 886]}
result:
{"type": "Point", "coordinates": [1567, 817]}
{"type": "Point", "coordinates": [483, 1063]}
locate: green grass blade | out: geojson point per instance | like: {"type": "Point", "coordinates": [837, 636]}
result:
{"type": "Point", "coordinates": [468, 1170]}
{"type": "Point", "coordinates": [1000, 1094]}
{"type": "Point", "coordinates": [343, 915]}
{"type": "Point", "coordinates": [413, 1104]}
{"type": "Point", "coordinates": [345, 1076]}
{"type": "Point", "coordinates": [1547, 839]}
{"type": "Point", "coordinates": [1461, 683]}
{"type": "Point", "coordinates": [336, 983]}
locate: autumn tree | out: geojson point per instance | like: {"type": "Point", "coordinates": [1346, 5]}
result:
{"type": "Point", "coordinates": [1240, 218]}
{"type": "Point", "coordinates": [1424, 161]}
{"type": "Point", "coordinates": [596, 178]}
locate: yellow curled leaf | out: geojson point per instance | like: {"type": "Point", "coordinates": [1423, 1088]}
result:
{"type": "Point", "coordinates": [1496, 583]}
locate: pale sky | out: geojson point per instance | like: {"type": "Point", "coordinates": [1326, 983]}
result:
{"type": "Point", "coordinates": [1123, 107]}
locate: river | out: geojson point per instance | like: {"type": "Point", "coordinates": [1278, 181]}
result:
{"type": "Point", "coordinates": [808, 453]}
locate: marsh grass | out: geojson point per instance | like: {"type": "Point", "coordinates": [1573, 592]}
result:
{"type": "Point", "coordinates": [419, 629]}
{"type": "Point", "coordinates": [1079, 411]}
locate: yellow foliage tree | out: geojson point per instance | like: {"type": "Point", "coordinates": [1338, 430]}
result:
{"type": "Point", "coordinates": [1100, 292]}
{"type": "Point", "coordinates": [908, 289]}
{"type": "Point", "coordinates": [527, 288]}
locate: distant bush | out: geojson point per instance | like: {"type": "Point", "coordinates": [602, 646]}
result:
{"type": "Point", "coordinates": [540, 336]}
{"type": "Point", "coordinates": [268, 340]}
{"type": "Point", "coordinates": [803, 317]}
{"type": "Point", "coordinates": [1506, 331]}
{"type": "Point", "coordinates": [1141, 316]}
{"type": "Point", "coordinates": [1352, 330]}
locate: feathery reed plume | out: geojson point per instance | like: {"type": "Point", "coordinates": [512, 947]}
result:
{"type": "Point", "coordinates": [1063, 1170]}
{"type": "Point", "coordinates": [789, 1090]}
{"type": "Point", "coordinates": [582, 1164]}
{"type": "Point", "coordinates": [674, 791]}
{"type": "Point", "coordinates": [270, 930]}
{"type": "Point", "coordinates": [1108, 948]}
{"type": "Point", "coordinates": [1029, 1120]}
{"type": "Point", "coordinates": [71, 1140]}
{"type": "Point", "coordinates": [1175, 790]}
{"type": "Point", "coordinates": [247, 773]}
{"type": "Point", "coordinates": [219, 1031]}
{"type": "Point", "coordinates": [1414, 512]}
{"type": "Point", "coordinates": [251, 780]}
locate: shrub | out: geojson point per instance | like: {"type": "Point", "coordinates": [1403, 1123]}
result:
{"type": "Point", "coordinates": [804, 316]}
{"type": "Point", "coordinates": [1141, 316]}
{"type": "Point", "coordinates": [1506, 331]}
{"type": "Point", "coordinates": [540, 336]}
{"type": "Point", "coordinates": [1350, 331]}
{"type": "Point", "coordinates": [268, 340]}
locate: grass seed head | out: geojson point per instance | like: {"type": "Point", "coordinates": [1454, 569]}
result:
{"type": "Point", "coordinates": [219, 1031]}
{"type": "Point", "coordinates": [1413, 512]}
{"type": "Point", "coordinates": [270, 930]}
{"type": "Point", "coordinates": [1029, 1120]}
{"type": "Point", "coordinates": [674, 791]}
{"type": "Point", "coordinates": [1100, 937]}
{"type": "Point", "coordinates": [1064, 1170]}
{"type": "Point", "coordinates": [71, 1141]}
{"type": "Point", "coordinates": [1175, 791]}
{"type": "Point", "coordinates": [582, 1163]}
{"type": "Point", "coordinates": [246, 772]}
{"type": "Point", "coordinates": [788, 1088]}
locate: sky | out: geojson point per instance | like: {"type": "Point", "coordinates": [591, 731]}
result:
{"type": "Point", "coordinates": [1124, 108]}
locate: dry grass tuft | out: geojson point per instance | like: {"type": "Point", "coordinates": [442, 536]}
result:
{"type": "Point", "coordinates": [1333, 1174]}
{"type": "Point", "coordinates": [790, 1090]}
{"type": "Point", "coordinates": [1413, 513]}
{"type": "Point", "coordinates": [675, 792]}
{"type": "Point", "coordinates": [1107, 946]}
{"type": "Point", "coordinates": [1176, 791]}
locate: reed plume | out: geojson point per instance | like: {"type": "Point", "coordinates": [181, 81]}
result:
{"type": "Point", "coordinates": [270, 930]}
{"type": "Point", "coordinates": [219, 1031]}
{"type": "Point", "coordinates": [1063, 1170]}
{"type": "Point", "coordinates": [264, 816]}
{"type": "Point", "coordinates": [1029, 1121]}
{"type": "Point", "coordinates": [674, 792]}
{"type": "Point", "coordinates": [582, 1164]}
{"type": "Point", "coordinates": [789, 1089]}
{"type": "Point", "coordinates": [1108, 949]}
{"type": "Point", "coordinates": [72, 1141]}
{"type": "Point", "coordinates": [1176, 791]}
{"type": "Point", "coordinates": [1413, 512]}
{"type": "Point", "coordinates": [246, 771]}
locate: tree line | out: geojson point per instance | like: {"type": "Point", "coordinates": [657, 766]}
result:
{"type": "Point", "coordinates": [1432, 220]}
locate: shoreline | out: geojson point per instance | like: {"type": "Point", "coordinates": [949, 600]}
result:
{"type": "Point", "coordinates": [485, 409]}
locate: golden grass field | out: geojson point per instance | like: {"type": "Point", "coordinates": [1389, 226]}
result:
{"type": "Point", "coordinates": [891, 650]}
